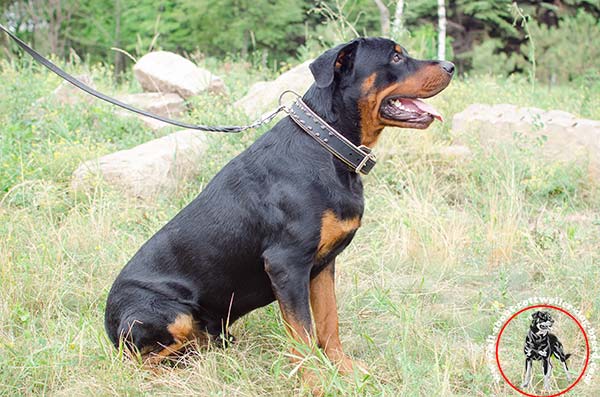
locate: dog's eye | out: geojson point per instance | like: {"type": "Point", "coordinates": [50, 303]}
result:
{"type": "Point", "coordinates": [397, 58]}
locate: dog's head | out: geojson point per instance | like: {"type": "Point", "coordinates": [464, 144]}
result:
{"type": "Point", "coordinates": [376, 79]}
{"type": "Point", "coordinates": [541, 322]}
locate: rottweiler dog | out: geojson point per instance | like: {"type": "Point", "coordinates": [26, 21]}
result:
{"type": "Point", "coordinates": [271, 223]}
{"type": "Point", "coordinates": [540, 344]}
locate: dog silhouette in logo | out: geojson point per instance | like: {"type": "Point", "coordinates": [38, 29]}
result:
{"type": "Point", "coordinates": [541, 345]}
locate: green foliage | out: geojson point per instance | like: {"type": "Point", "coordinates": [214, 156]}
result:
{"type": "Point", "coordinates": [568, 53]}
{"type": "Point", "coordinates": [486, 58]}
{"type": "Point", "coordinates": [561, 53]}
{"type": "Point", "coordinates": [483, 36]}
{"type": "Point", "coordinates": [243, 26]}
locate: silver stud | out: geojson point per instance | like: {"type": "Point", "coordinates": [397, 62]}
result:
{"type": "Point", "coordinates": [325, 140]}
{"type": "Point", "coordinates": [317, 134]}
{"type": "Point", "coordinates": [310, 128]}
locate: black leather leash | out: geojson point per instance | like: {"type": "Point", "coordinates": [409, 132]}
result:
{"type": "Point", "coordinates": [227, 129]}
{"type": "Point", "coordinates": [358, 158]}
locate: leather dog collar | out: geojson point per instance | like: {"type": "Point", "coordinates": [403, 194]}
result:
{"type": "Point", "coordinates": [359, 159]}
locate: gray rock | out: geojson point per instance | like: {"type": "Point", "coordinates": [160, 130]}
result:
{"type": "Point", "coordinates": [264, 94]}
{"type": "Point", "coordinates": [564, 136]}
{"type": "Point", "coordinates": [163, 104]}
{"type": "Point", "coordinates": [164, 71]}
{"type": "Point", "coordinates": [67, 94]}
{"type": "Point", "coordinates": [167, 105]}
{"type": "Point", "coordinates": [148, 169]}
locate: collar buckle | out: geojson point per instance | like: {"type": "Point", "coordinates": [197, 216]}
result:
{"type": "Point", "coordinates": [369, 155]}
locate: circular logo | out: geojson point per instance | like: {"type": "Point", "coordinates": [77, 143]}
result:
{"type": "Point", "coordinates": [542, 349]}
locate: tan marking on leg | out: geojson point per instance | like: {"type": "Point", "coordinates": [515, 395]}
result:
{"type": "Point", "coordinates": [294, 327]}
{"type": "Point", "coordinates": [324, 309]}
{"type": "Point", "coordinates": [323, 304]}
{"type": "Point", "coordinates": [151, 359]}
{"type": "Point", "coordinates": [333, 230]}
{"type": "Point", "coordinates": [299, 333]}
{"type": "Point", "coordinates": [183, 331]}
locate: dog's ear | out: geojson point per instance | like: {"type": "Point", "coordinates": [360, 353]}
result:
{"type": "Point", "coordinates": [333, 61]}
{"type": "Point", "coordinates": [535, 315]}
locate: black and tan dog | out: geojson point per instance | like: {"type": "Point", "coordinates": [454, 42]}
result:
{"type": "Point", "coordinates": [540, 344]}
{"type": "Point", "coordinates": [271, 223]}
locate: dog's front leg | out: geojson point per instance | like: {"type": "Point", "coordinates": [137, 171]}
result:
{"type": "Point", "coordinates": [290, 286]}
{"type": "Point", "coordinates": [323, 304]}
{"type": "Point", "coordinates": [547, 373]}
{"type": "Point", "coordinates": [527, 377]}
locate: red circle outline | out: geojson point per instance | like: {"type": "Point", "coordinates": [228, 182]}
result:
{"type": "Point", "coordinates": [587, 346]}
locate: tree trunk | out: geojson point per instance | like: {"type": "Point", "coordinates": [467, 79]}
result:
{"type": "Point", "coordinates": [441, 29]}
{"type": "Point", "coordinates": [119, 57]}
{"type": "Point", "coordinates": [398, 24]}
{"type": "Point", "coordinates": [384, 17]}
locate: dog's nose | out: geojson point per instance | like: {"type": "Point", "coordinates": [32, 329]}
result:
{"type": "Point", "coordinates": [447, 66]}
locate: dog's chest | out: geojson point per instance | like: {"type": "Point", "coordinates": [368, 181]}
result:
{"type": "Point", "coordinates": [334, 232]}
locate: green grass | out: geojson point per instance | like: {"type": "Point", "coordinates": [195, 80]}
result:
{"type": "Point", "coordinates": [444, 247]}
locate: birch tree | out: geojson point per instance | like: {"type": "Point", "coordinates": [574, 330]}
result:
{"type": "Point", "coordinates": [441, 29]}
{"type": "Point", "coordinates": [384, 17]}
{"type": "Point", "coordinates": [397, 24]}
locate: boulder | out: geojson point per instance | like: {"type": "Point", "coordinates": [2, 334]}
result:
{"type": "Point", "coordinates": [263, 95]}
{"type": "Point", "coordinates": [164, 71]}
{"type": "Point", "coordinates": [167, 105]}
{"type": "Point", "coordinates": [148, 169]}
{"type": "Point", "coordinates": [162, 104]}
{"type": "Point", "coordinates": [67, 94]}
{"type": "Point", "coordinates": [562, 136]}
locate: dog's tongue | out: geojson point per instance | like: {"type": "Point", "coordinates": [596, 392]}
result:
{"type": "Point", "coordinates": [424, 106]}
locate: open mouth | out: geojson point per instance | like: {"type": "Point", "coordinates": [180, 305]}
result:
{"type": "Point", "coordinates": [412, 111]}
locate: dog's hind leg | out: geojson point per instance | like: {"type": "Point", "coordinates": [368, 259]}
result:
{"type": "Point", "coordinates": [567, 374]}
{"type": "Point", "coordinates": [559, 353]}
{"type": "Point", "coordinates": [547, 373]}
{"type": "Point", "coordinates": [527, 377]}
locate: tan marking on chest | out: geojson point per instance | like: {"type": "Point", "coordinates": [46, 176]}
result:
{"type": "Point", "coordinates": [333, 230]}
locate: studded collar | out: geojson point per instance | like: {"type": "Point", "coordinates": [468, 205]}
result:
{"type": "Point", "coordinates": [359, 159]}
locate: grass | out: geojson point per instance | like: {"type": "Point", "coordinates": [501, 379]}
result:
{"type": "Point", "coordinates": [444, 247]}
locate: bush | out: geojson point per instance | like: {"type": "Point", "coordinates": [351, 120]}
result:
{"type": "Point", "coordinates": [569, 52]}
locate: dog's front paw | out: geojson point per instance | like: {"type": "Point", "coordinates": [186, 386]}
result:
{"type": "Point", "coordinates": [347, 365]}
{"type": "Point", "coordinates": [547, 386]}
{"type": "Point", "coordinates": [311, 380]}
{"type": "Point", "coordinates": [524, 385]}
